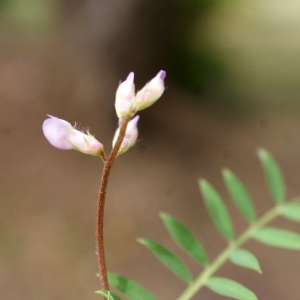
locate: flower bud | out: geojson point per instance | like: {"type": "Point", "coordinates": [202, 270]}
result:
{"type": "Point", "coordinates": [62, 135]}
{"type": "Point", "coordinates": [150, 92]}
{"type": "Point", "coordinates": [124, 96]}
{"type": "Point", "coordinates": [130, 135]}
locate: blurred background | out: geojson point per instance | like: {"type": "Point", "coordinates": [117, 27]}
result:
{"type": "Point", "coordinates": [233, 72]}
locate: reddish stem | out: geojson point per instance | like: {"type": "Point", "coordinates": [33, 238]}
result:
{"type": "Point", "coordinates": [101, 201]}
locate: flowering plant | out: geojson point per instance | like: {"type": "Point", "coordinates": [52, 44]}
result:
{"type": "Point", "coordinates": [62, 135]}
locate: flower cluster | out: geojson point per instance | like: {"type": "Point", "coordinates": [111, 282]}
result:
{"type": "Point", "coordinates": [64, 136]}
{"type": "Point", "coordinates": [127, 103]}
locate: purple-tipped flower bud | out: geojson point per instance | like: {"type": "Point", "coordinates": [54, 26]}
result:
{"type": "Point", "coordinates": [130, 135]}
{"type": "Point", "coordinates": [150, 92]}
{"type": "Point", "coordinates": [62, 135]}
{"type": "Point", "coordinates": [124, 96]}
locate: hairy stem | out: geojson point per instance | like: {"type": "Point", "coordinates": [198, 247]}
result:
{"type": "Point", "coordinates": [200, 281]}
{"type": "Point", "coordinates": [101, 201]}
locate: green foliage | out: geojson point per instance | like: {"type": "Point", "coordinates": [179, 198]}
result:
{"type": "Point", "coordinates": [129, 288]}
{"type": "Point", "coordinates": [229, 288]}
{"type": "Point", "coordinates": [246, 259]}
{"type": "Point", "coordinates": [273, 175]}
{"type": "Point", "coordinates": [233, 252]}
{"type": "Point", "coordinates": [108, 295]}
{"type": "Point", "coordinates": [185, 239]}
{"type": "Point", "coordinates": [278, 238]}
{"type": "Point", "coordinates": [216, 209]}
{"type": "Point", "coordinates": [239, 195]}
{"type": "Point", "coordinates": [292, 212]}
{"type": "Point", "coordinates": [169, 259]}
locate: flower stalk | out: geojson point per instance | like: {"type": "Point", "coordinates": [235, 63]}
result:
{"type": "Point", "coordinates": [101, 202]}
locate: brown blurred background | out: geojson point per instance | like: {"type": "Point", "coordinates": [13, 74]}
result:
{"type": "Point", "coordinates": [233, 72]}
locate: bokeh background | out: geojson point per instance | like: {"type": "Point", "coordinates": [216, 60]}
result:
{"type": "Point", "coordinates": [233, 74]}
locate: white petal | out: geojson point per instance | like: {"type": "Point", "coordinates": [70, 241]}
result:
{"type": "Point", "coordinates": [57, 133]}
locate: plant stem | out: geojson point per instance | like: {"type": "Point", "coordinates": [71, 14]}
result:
{"type": "Point", "coordinates": [200, 281]}
{"type": "Point", "coordinates": [101, 201]}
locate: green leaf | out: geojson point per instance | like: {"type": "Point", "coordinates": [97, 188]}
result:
{"type": "Point", "coordinates": [216, 209]}
{"type": "Point", "coordinates": [185, 238]}
{"type": "Point", "coordinates": [246, 259]}
{"type": "Point", "coordinates": [278, 238]}
{"type": "Point", "coordinates": [239, 195]}
{"type": "Point", "coordinates": [169, 259]}
{"type": "Point", "coordinates": [129, 288]}
{"type": "Point", "coordinates": [229, 288]}
{"type": "Point", "coordinates": [292, 212]}
{"type": "Point", "coordinates": [108, 295]}
{"type": "Point", "coordinates": [273, 175]}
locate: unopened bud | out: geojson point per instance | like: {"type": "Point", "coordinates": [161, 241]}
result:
{"type": "Point", "coordinates": [62, 135]}
{"type": "Point", "coordinates": [150, 92]}
{"type": "Point", "coordinates": [124, 96]}
{"type": "Point", "coordinates": [130, 135]}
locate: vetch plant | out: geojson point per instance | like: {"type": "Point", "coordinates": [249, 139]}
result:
{"type": "Point", "coordinates": [63, 136]}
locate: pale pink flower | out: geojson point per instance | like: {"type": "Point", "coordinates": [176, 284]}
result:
{"type": "Point", "coordinates": [124, 96]}
{"type": "Point", "coordinates": [130, 135]}
{"type": "Point", "coordinates": [127, 103]}
{"type": "Point", "coordinates": [150, 93]}
{"type": "Point", "coordinates": [62, 135]}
